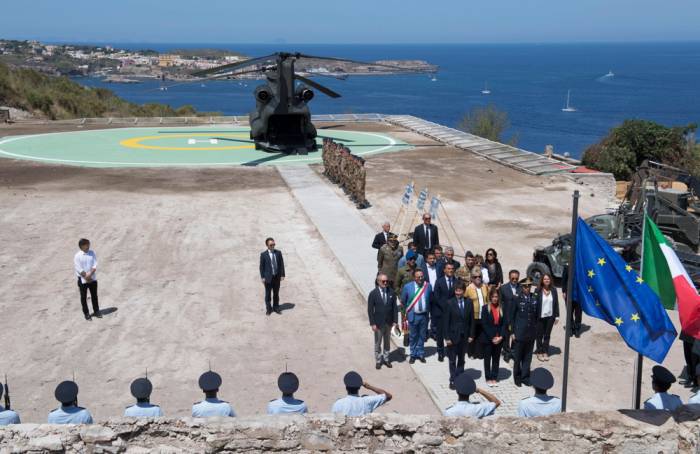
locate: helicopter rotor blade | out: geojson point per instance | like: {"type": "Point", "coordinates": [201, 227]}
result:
{"type": "Point", "coordinates": [317, 86]}
{"type": "Point", "coordinates": [386, 67]}
{"type": "Point", "coordinates": [215, 77]}
{"type": "Point", "coordinates": [237, 65]}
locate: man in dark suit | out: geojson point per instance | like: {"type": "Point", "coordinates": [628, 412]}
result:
{"type": "Point", "coordinates": [381, 238]}
{"type": "Point", "coordinates": [271, 274]}
{"type": "Point", "coordinates": [425, 235]}
{"type": "Point", "coordinates": [383, 316]}
{"type": "Point", "coordinates": [522, 319]}
{"type": "Point", "coordinates": [509, 292]}
{"type": "Point", "coordinates": [458, 317]}
{"type": "Point", "coordinates": [444, 290]}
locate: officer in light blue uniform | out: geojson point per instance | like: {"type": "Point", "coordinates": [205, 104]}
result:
{"type": "Point", "coordinates": [540, 404]}
{"type": "Point", "coordinates": [356, 405]}
{"type": "Point", "coordinates": [288, 383]}
{"type": "Point", "coordinates": [141, 389]}
{"type": "Point", "coordinates": [695, 398]}
{"type": "Point", "coordinates": [211, 405]}
{"type": "Point", "coordinates": [69, 412]}
{"type": "Point", "coordinates": [465, 386]}
{"type": "Point", "coordinates": [7, 416]}
{"type": "Point", "coordinates": [661, 380]}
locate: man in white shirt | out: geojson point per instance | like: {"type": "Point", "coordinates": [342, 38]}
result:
{"type": "Point", "coordinates": [85, 265]}
{"type": "Point", "coordinates": [661, 380]}
{"type": "Point", "coordinates": [465, 387]}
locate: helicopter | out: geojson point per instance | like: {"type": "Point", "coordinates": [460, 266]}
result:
{"type": "Point", "coordinates": [281, 122]}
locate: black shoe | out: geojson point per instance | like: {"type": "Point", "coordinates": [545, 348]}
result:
{"type": "Point", "coordinates": [452, 385]}
{"type": "Point", "coordinates": [378, 366]}
{"type": "Point", "coordinates": [422, 359]}
{"type": "Point", "coordinates": [88, 317]}
{"type": "Point", "coordinates": [98, 314]}
{"type": "Point", "coordinates": [412, 360]}
{"type": "Point", "coordinates": [518, 383]}
{"type": "Point", "coordinates": [388, 364]}
{"type": "Point", "coordinates": [577, 333]}
{"type": "Point", "coordinates": [268, 312]}
{"type": "Point", "coordinates": [441, 358]}
{"type": "Point", "coordinates": [277, 310]}
{"type": "Point", "coordinates": [526, 382]}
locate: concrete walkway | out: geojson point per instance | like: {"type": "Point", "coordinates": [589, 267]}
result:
{"type": "Point", "coordinates": [349, 237]}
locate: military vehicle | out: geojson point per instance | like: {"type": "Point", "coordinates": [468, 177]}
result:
{"type": "Point", "coordinates": [675, 211]}
{"type": "Point", "coordinates": [281, 121]}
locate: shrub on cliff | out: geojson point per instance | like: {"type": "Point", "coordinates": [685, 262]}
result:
{"type": "Point", "coordinates": [627, 145]}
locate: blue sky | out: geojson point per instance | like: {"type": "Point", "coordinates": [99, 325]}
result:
{"type": "Point", "coordinates": [351, 21]}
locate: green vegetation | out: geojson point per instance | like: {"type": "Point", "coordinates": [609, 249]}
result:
{"type": "Point", "coordinates": [626, 146]}
{"type": "Point", "coordinates": [487, 122]}
{"type": "Point", "coordinates": [59, 98]}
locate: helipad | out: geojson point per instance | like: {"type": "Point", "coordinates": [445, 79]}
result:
{"type": "Point", "coordinates": [190, 146]}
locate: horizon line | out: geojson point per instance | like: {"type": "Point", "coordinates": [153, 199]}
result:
{"type": "Point", "coordinates": [424, 43]}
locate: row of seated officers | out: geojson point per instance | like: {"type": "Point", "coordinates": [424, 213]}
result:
{"type": "Point", "coordinates": [540, 404]}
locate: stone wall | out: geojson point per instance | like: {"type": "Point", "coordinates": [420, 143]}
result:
{"type": "Point", "coordinates": [623, 432]}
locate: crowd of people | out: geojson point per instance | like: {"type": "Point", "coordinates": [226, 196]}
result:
{"type": "Point", "coordinates": [346, 170]}
{"type": "Point", "coordinates": [470, 310]}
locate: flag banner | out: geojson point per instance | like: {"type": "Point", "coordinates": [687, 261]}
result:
{"type": "Point", "coordinates": [434, 205]}
{"type": "Point", "coordinates": [608, 288]}
{"type": "Point", "coordinates": [666, 275]}
{"type": "Point", "coordinates": [421, 199]}
{"type": "Point", "coordinates": [407, 194]}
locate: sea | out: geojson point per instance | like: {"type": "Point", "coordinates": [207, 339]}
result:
{"type": "Point", "coordinates": [530, 82]}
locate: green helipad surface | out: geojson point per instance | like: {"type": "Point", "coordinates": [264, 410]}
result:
{"type": "Point", "coordinates": [192, 146]}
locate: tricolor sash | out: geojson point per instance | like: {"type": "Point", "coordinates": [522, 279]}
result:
{"type": "Point", "coordinates": [415, 298]}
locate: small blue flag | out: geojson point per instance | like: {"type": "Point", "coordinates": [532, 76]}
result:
{"type": "Point", "coordinates": [434, 205]}
{"type": "Point", "coordinates": [407, 194]}
{"type": "Point", "coordinates": [609, 289]}
{"type": "Point", "coordinates": [421, 199]}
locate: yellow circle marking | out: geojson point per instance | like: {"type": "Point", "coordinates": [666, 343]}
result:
{"type": "Point", "coordinates": [135, 142]}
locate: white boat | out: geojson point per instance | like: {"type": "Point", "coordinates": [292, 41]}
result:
{"type": "Point", "coordinates": [486, 90]}
{"type": "Point", "coordinates": [610, 74]}
{"type": "Point", "coordinates": [568, 107]}
{"type": "Point", "coordinates": [433, 78]}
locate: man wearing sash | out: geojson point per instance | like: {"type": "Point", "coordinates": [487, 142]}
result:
{"type": "Point", "coordinates": [415, 297]}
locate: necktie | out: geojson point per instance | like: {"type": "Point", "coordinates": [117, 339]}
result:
{"type": "Point", "coordinates": [427, 235]}
{"type": "Point", "coordinates": [384, 295]}
{"type": "Point", "coordinates": [461, 307]}
{"type": "Point", "coordinates": [449, 283]}
{"type": "Point", "coordinates": [420, 303]}
{"type": "Point", "coordinates": [273, 259]}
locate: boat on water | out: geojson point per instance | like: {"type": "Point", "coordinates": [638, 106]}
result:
{"type": "Point", "coordinates": [610, 74]}
{"type": "Point", "coordinates": [568, 107]}
{"type": "Point", "coordinates": [433, 78]}
{"type": "Point", "coordinates": [486, 90]}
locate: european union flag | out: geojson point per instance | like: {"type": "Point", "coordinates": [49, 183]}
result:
{"type": "Point", "coordinates": [609, 289]}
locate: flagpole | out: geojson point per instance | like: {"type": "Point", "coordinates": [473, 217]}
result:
{"type": "Point", "coordinates": [639, 364]}
{"type": "Point", "coordinates": [569, 296]}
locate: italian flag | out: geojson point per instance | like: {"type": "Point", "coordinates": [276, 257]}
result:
{"type": "Point", "coordinates": [664, 273]}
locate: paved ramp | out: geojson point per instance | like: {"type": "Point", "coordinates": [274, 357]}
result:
{"type": "Point", "coordinates": [349, 237]}
{"type": "Point", "coordinates": [522, 160]}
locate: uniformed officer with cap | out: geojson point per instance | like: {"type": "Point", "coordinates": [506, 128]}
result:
{"type": "Point", "coordinates": [69, 412]}
{"type": "Point", "coordinates": [355, 405]}
{"type": "Point", "coordinates": [695, 398]}
{"type": "Point", "coordinates": [141, 389]}
{"type": "Point", "coordinates": [7, 416]}
{"type": "Point", "coordinates": [522, 321]}
{"type": "Point", "coordinates": [661, 379]}
{"type": "Point", "coordinates": [540, 404]}
{"type": "Point", "coordinates": [211, 405]}
{"type": "Point", "coordinates": [465, 387]}
{"type": "Point", "coordinates": [288, 383]}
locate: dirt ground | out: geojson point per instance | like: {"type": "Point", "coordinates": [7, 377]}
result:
{"type": "Point", "coordinates": [178, 267]}
{"type": "Point", "coordinates": [490, 205]}
{"type": "Point", "coordinates": [178, 253]}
